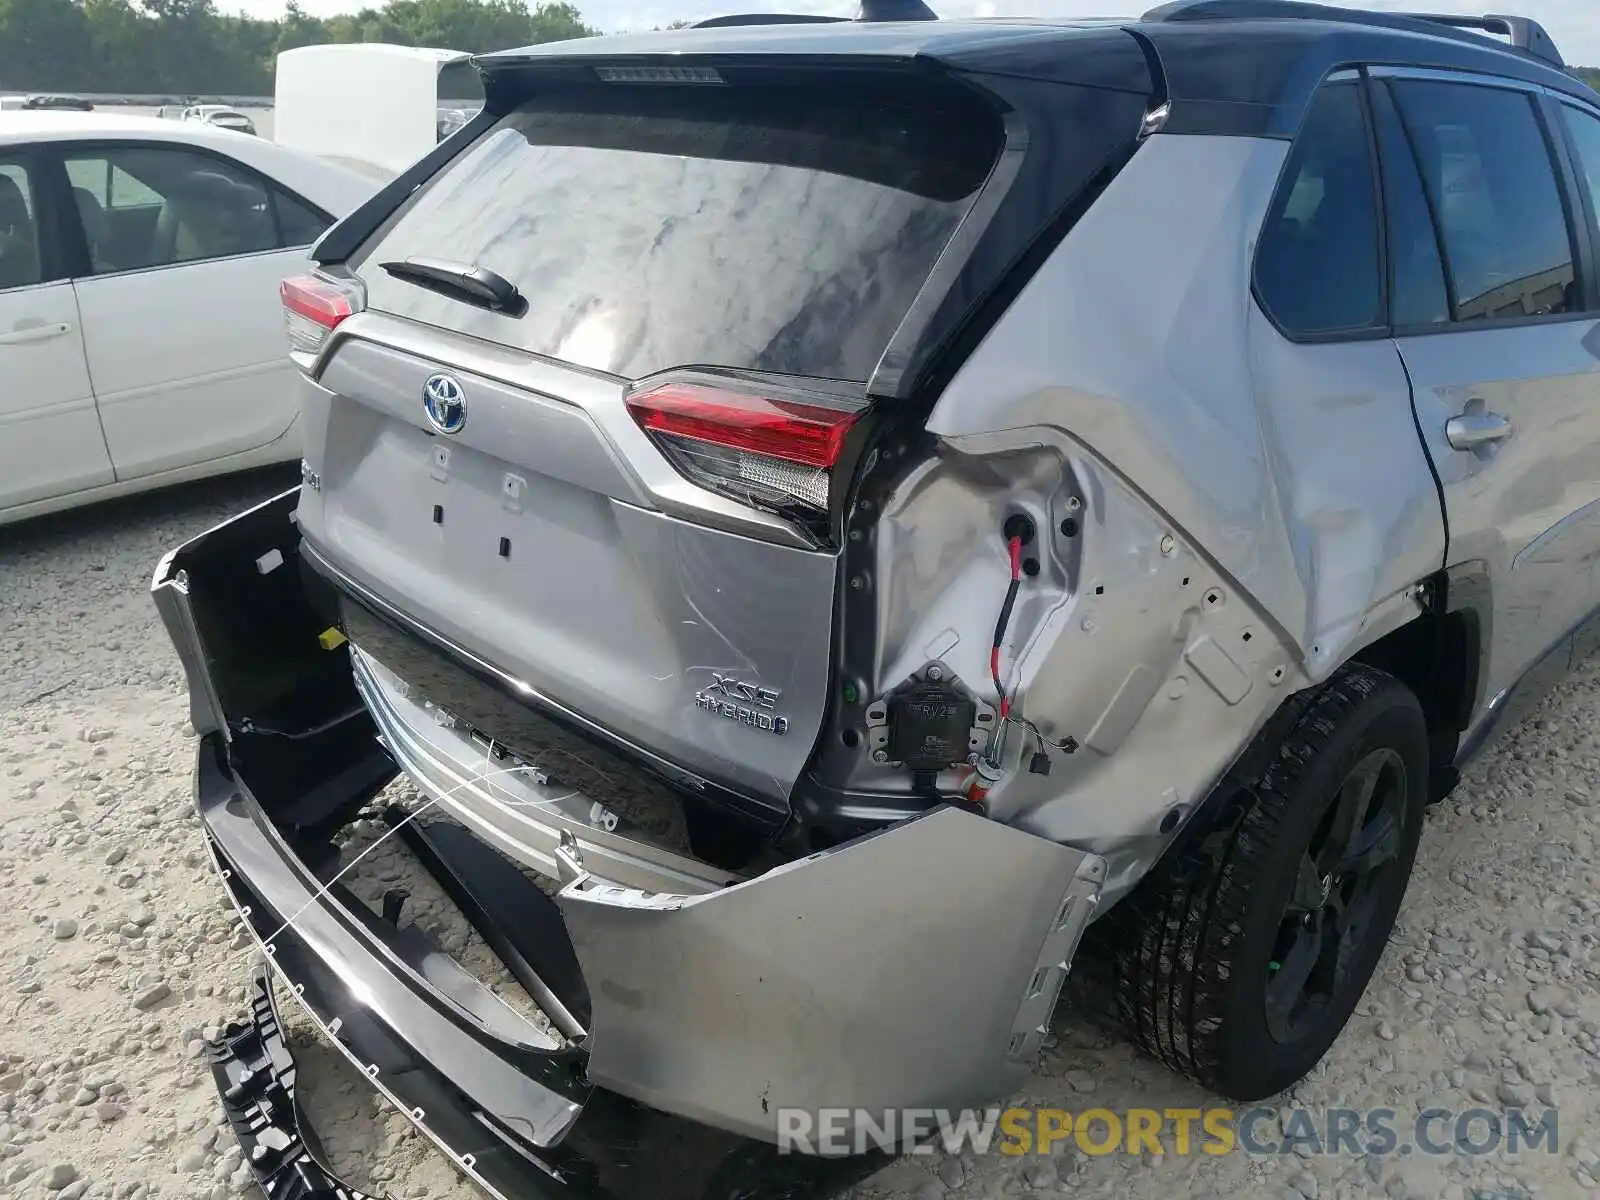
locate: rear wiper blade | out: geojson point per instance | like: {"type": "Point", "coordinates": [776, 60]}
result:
{"type": "Point", "coordinates": [461, 281]}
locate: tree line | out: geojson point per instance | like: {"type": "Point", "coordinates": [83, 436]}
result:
{"type": "Point", "coordinates": [187, 47]}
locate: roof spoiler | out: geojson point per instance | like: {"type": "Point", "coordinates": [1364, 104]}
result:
{"type": "Point", "coordinates": [871, 10]}
{"type": "Point", "coordinates": [1524, 33]}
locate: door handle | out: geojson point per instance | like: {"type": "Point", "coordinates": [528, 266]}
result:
{"type": "Point", "coordinates": [1475, 427]}
{"type": "Point", "coordinates": [34, 331]}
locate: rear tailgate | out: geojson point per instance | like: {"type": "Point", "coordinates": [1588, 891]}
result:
{"type": "Point", "coordinates": [748, 243]}
{"type": "Point", "coordinates": [525, 540]}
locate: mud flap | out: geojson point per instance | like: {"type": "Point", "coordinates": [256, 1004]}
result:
{"type": "Point", "coordinates": [255, 1077]}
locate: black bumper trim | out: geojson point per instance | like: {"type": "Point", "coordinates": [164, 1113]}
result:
{"type": "Point", "coordinates": [515, 919]}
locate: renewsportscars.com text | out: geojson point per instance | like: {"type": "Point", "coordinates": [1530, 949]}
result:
{"type": "Point", "coordinates": [1258, 1132]}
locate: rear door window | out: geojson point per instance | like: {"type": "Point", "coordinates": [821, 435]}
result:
{"type": "Point", "coordinates": [21, 258]}
{"type": "Point", "coordinates": [150, 206]}
{"type": "Point", "coordinates": [1417, 292]}
{"type": "Point", "coordinates": [298, 223]}
{"type": "Point", "coordinates": [782, 229]}
{"type": "Point", "coordinates": [1585, 130]}
{"type": "Point", "coordinates": [1492, 182]}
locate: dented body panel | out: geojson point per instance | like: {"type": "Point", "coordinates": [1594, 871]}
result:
{"type": "Point", "coordinates": [1241, 439]}
{"type": "Point", "coordinates": [1205, 548]}
{"type": "Point", "coordinates": [716, 1006]}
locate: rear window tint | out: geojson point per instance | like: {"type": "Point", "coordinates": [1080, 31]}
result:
{"type": "Point", "coordinates": [781, 229]}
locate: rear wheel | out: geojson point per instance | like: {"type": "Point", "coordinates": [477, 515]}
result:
{"type": "Point", "coordinates": [1239, 959]}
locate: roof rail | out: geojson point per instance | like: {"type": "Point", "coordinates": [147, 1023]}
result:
{"type": "Point", "coordinates": [871, 10]}
{"type": "Point", "coordinates": [1523, 33]}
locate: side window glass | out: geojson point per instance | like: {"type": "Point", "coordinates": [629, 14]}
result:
{"type": "Point", "coordinates": [299, 225]}
{"type": "Point", "coordinates": [155, 207]}
{"type": "Point", "coordinates": [1317, 265]}
{"type": "Point", "coordinates": [1585, 130]}
{"type": "Point", "coordinates": [20, 263]}
{"type": "Point", "coordinates": [109, 184]}
{"type": "Point", "coordinates": [1417, 293]}
{"type": "Point", "coordinates": [126, 190]}
{"type": "Point", "coordinates": [1489, 174]}
{"type": "Point", "coordinates": [92, 176]}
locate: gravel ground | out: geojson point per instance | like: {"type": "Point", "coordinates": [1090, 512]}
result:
{"type": "Point", "coordinates": [117, 951]}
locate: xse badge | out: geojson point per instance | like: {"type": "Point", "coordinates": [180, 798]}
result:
{"type": "Point", "coordinates": [745, 703]}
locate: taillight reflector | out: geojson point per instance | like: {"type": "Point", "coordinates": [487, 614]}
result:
{"type": "Point", "coordinates": [807, 434]}
{"type": "Point", "coordinates": [312, 309]}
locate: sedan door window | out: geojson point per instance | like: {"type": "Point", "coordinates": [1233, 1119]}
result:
{"type": "Point", "coordinates": [299, 223]}
{"type": "Point", "coordinates": [20, 263]}
{"type": "Point", "coordinates": [143, 206]}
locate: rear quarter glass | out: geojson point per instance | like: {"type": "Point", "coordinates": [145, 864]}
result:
{"type": "Point", "coordinates": [782, 229]}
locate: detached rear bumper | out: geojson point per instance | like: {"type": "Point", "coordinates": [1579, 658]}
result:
{"type": "Point", "coordinates": [370, 998]}
{"type": "Point", "coordinates": [516, 1117]}
{"type": "Point", "coordinates": [914, 967]}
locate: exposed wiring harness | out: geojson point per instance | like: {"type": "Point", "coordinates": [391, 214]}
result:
{"type": "Point", "coordinates": [1066, 745]}
{"type": "Point", "coordinates": [1014, 545]}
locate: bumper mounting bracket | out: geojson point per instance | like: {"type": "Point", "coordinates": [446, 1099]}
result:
{"type": "Point", "coordinates": [255, 1076]}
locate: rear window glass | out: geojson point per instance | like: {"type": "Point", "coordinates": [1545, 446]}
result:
{"type": "Point", "coordinates": [779, 229]}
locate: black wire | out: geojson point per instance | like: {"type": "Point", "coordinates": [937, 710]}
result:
{"type": "Point", "coordinates": [1000, 634]}
{"type": "Point", "coordinates": [1005, 613]}
{"type": "Point", "coordinates": [1067, 745]}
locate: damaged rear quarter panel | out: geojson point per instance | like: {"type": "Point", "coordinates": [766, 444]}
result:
{"type": "Point", "coordinates": [1252, 511]}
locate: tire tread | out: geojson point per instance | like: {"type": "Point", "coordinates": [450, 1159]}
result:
{"type": "Point", "coordinates": [1157, 964]}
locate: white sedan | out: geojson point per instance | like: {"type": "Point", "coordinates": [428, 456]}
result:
{"type": "Point", "coordinates": [221, 116]}
{"type": "Point", "coordinates": [141, 333]}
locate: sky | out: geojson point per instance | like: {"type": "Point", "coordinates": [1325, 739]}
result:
{"type": "Point", "coordinates": [1574, 24]}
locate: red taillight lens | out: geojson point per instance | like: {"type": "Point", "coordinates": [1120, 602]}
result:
{"type": "Point", "coordinates": [797, 433]}
{"type": "Point", "coordinates": [770, 453]}
{"type": "Point", "coordinates": [313, 308]}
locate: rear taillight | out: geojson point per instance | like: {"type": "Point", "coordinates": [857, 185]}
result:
{"type": "Point", "coordinates": [313, 308]}
{"type": "Point", "coordinates": [773, 454]}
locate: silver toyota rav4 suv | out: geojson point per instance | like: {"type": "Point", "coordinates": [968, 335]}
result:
{"type": "Point", "coordinates": [856, 528]}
